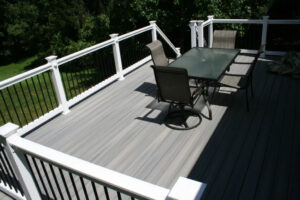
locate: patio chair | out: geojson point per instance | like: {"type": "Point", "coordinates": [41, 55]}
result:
{"type": "Point", "coordinates": [224, 39]}
{"type": "Point", "coordinates": [173, 88]}
{"type": "Point", "coordinates": [242, 82]}
{"type": "Point", "coordinates": [159, 57]}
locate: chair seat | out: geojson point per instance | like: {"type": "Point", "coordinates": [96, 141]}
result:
{"type": "Point", "coordinates": [238, 82]}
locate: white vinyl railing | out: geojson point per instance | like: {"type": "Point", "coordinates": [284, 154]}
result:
{"type": "Point", "coordinates": [42, 171]}
{"type": "Point", "coordinates": [33, 171]}
{"type": "Point", "coordinates": [197, 30]}
{"type": "Point", "coordinates": [53, 67]}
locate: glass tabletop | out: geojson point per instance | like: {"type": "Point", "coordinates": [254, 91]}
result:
{"type": "Point", "coordinates": [206, 63]}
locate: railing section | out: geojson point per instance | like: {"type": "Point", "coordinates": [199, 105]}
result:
{"type": "Point", "coordinates": [251, 33]}
{"type": "Point", "coordinates": [45, 173]}
{"type": "Point", "coordinates": [34, 97]}
{"type": "Point", "coordinates": [85, 72]}
{"type": "Point", "coordinates": [26, 100]}
{"type": "Point", "coordinates": [134, 49]}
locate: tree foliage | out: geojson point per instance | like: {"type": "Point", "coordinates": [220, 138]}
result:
{"type": "Point", "coordinates": [31, 27]}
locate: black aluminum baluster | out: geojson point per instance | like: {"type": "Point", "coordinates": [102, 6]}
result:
{"type": "Point", "coordinates": [71, 90]}
{"type": "Point", "coordinates": [3, 176]}
{"type": "Point", "coordinates": [6, 106]}
{"type": "Point", "coordinates": [14, 107]}
{"type": "Point", "coordinates": [78, 80]}
{"type": "Point", "coordinates": [9, 178]}
{"type": "Point", "coordinates": [48, 179]}
{"type": "Point", "coordinates": [18, 98]}
{"type": "Point", "coordinates": [45, 83]}
{"type": "Point", "coordinates": [37, 96]}
{"type": "Point", "coordinates": [42, 91]}
{"type": "Point", "coordinates": [2, 117]}
{"type": "Point", "coordinates": [65, 183]}
{"type": "Point", "coordinates": [74, 185]}
{"type": "Point", "coordinates": [95, 190]}
{"type": "Point", "coordinates": [33, 175]}
{"type": "Point", "coordinates": [84, 188]}
{"type": "Point", "coordinates": [40, 177]}
{"type": "Point", "coordinates": [14, 178]}
{"type": "Point", "coordinates": [52, 88]}
{"type": "Point", "coordinates": [74, 88]}
{"type": "Point", "coordinates": [119, 195]}
{"type": "Point", "coordinates": [56, 182]}
{"type": "Point", "coordinates": [28, 108]}
{"type": "Point", "coordinates": [106, 193]}
{"type": "Point", "coordinates": [33, 103]}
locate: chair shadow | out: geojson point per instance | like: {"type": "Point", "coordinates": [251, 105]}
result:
{"type": "Point", "coordinates": [157, 112]}
{"type": "Point", "coordinates": [149, 89]}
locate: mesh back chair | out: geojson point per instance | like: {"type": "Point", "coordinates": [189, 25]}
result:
{"type": "Point", "coordinates": [158, 54]}
{"type": "Point", "coordinates": [173, 87]}
{"type": "Point", "coordinates": [242, 82]}
{"type": "Point", "coordinates": [224, 39]}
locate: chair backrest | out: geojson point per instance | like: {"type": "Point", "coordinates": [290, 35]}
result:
{"type": "Point", "coordinates": [173, 84]}
{"type": "Point", "coordinates": [158, 54]}
{"type": "Point", "coordinates": [224, 39]}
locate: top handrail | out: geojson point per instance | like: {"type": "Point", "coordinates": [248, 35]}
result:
{"type": "Point", "coordinates": [18, 78]}
{"type": "Point", "coordinates": [99, 174]}
{"type": "Point", "coordinates": [256, 21]}
{"type": "Point", "coordinates": [161, 33]}
{"type": "Point", "coordinates": [207, 22]}
{"type": "Point", "coordinates": [84, 52]}
{"type": "Point", "coordinates": [101, 45]}
{"type": "Point", "coordinates": [134, 33]}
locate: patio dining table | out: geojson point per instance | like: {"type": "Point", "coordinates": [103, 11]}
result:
{"type": "Point", "coordinates": [206, 65]}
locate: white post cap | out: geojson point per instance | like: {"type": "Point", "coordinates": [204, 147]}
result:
{"type": "Point", "coordinates": [8, 129]}
{"type": "Point", "coordinates": [51, 58]}
{"type": "Point", "coordinates": [210, 16]}
{"type": "Point", "coordinates": [114, 35]}
{"type": "Point", "coordinates": [152, 22]}
{"type": "Point", "coordinates": [187, 189]}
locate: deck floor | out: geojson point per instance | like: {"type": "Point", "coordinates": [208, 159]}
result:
{"type": "Point", "coordinates": [239, 155]}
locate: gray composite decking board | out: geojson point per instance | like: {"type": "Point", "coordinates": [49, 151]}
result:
{"type": "Point", "coordinates": [121, 128]}
{"type": "Point", "coordinates": [4, 196]}
{"type": "Point", "coordinates": [249, 143]}
{"type": "Point", "coordinates": [231, 154]}
{"type": "Point", "coordinates": [266, 123]}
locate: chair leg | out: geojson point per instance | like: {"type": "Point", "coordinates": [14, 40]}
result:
{"type": "Point", "coordinates": [213, 94]}
{"type": "Point", "coordinates": [251, 85]}
{"type": "Point", "coordinates": [247, 102]}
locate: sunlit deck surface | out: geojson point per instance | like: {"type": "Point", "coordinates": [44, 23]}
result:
{"type": "Point", "coordinates": [238, 154]}
{"type": "Point", "coordinates": [4, 196]}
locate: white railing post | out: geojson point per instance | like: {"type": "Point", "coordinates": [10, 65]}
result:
{"type": "Point", "coordinates": [117, 56]}
{"type": "Point", "coordinates": [153, 31]}
{"type": "Point", "coordinates": [264, 33]}
{"type": "Point", "coordinates": [58, 85]}
{"type": "Point", "coordinates": [178, 52]}
{"type": "Point", "coordinates": [186, 189]}
{"type": "Point", "coordinates": [192, 26]}
{"type": "Point", "coordinates": [210, 31]}
{"type": "Point", "coordinates": [19, 163]}
{"type": "Point", "coordinates": [200, 33]}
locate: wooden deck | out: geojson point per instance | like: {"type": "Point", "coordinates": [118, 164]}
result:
{"type": "Point", "coordinates": [239, 155]}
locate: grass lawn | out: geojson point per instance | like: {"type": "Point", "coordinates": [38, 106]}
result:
{"type": "Point", "coordinates": [29, 99]}
{"type": "Point", "coordinates": [10, 70]}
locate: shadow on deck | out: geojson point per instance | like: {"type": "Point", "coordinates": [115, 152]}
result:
{"type": "Point", "coordinates": [255, 155]}
{"type": "Point", "coordinates": [239, 155]}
